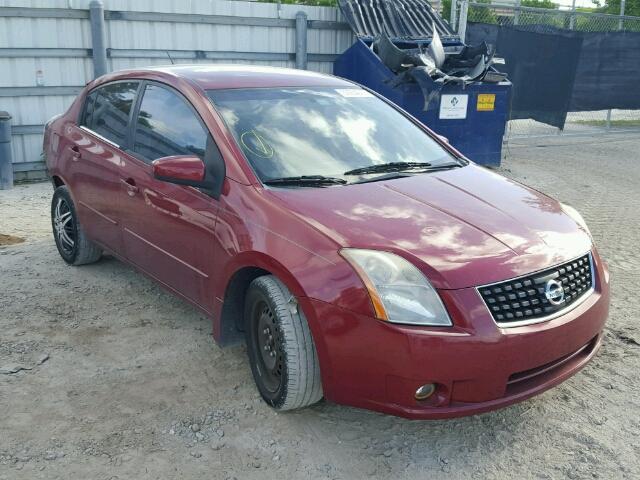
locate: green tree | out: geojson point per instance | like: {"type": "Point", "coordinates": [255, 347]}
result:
{"type": "Point", "coordinates": [481, 14]}
{"type": "Point", "coordinates": [446, 10]}
{"type": "Point", "coordinates": [632, 7]}
{"type": "Point", "coordinates": [539, 4]}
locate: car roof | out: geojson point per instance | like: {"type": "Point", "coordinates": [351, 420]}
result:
{"type": "Point", "coordinates": [218, 76]}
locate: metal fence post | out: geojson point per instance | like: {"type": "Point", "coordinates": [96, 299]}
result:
{"type": "Point", "coordinates": [462, 21]}
{"type": "Point", "coordinates": [454, 13]}
{"type": "Point", "coordinates": [572, 18]}
{"type": "Point", "coordinates": [98, 42]}
{"type": "Point", "coordinates": [620, 27]}
{"type": "Point", "coordinates": [516, 13]}
{"type": "Point", "coordinates": [301, 40]}
{"type": "Point", "coordinates": [6, 161]}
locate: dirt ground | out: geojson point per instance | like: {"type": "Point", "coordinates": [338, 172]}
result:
{"type": "Point", "coordinates": [103, 375]}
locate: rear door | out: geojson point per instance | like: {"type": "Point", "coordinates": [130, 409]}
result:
{"type": "Point", "coordinates": [97, 160]}
{"type": "Point", "coordinates": [168, 229]}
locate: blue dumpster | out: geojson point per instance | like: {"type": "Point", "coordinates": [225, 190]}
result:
{"type": "Point", "coordinates": [465, 99]}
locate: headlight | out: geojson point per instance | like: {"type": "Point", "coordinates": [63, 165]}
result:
{"type": "Point", "coordinates": [398, 290]}
{"type": "Point", "coordinates": [576, 217]}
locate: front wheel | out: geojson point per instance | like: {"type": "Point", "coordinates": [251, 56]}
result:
{"type": "Point", "coordinates": [73, 245]}
{"type": "Point", "coordinates": [281, 351]}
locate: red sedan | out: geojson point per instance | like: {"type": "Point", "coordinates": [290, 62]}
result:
{"type": "Point", "coordinates": [360, 256]}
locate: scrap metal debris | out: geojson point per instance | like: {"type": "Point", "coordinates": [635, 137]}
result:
{"type": "Point", "coordinates": [399, 18]}
{"type": "Point", "coordinates": [419, 46]}
{"type": "Point", "coordinates": [432, 68]}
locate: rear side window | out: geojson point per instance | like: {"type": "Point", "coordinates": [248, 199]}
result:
{"type": "Point", "coordinates": [107, 110]}
{"type": "Point", "coordinates": [167, 125]}
{"type": "Point", "coordinates": [88, 109]}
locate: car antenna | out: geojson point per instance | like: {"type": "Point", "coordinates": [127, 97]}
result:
{"type": "Point", "coordinates": [170, 59]}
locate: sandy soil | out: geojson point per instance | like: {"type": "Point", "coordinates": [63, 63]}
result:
{"type": "Point", "coordinates": [104, 375]}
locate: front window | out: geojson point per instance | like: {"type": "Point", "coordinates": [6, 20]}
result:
{"type": "Point", "coordinates": [290, 132]}
{"type": "Point", "coordinates": [167, 126]}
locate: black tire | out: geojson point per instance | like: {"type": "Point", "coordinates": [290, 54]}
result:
{"type": "Point", "coordinates": [73, 245]}
{"type": "Point", "coordinates": [288, 373]}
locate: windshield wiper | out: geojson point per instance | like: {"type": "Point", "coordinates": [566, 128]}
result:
{"type": "Point", "coordinates": [386, 176]}
{"type": "Point", "coordinates": [399, 167]}
{"type": "Point", "coordinates": [387, 167]}
{"type": "Point", "coordinates": [306, 180]}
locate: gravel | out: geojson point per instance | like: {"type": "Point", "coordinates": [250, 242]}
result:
{"type": "Point", "coordinates": [122, 380]}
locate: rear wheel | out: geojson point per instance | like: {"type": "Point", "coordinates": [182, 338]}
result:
{"type": "Point", "coordinates": [73, 245]}
{"type": "Point", "coordinates": [281, 351]}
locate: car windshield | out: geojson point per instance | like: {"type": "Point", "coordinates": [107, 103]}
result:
{"type": "Point", "coordinates": [322, 132]}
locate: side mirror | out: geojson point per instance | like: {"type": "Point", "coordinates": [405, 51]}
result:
{"type": "Point", "coordinates": [443, 138]}
{"type": "Point", "coordinates": [180, 169]}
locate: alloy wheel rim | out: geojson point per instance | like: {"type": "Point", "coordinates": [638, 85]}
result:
{"type": "Point", "coordinates": [63, 226]}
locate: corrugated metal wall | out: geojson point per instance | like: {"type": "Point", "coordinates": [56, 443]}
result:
{"type": "Point", "coordinates": [137, 43]}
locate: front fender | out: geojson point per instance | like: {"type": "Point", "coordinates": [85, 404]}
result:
{"type": "Point", "coordinates": [253, 230]}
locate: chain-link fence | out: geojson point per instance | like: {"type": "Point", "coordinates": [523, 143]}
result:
{"type": "Point", "coordinates": [571, 20]}
{"type": "Point", "coordinates": [512, 15]}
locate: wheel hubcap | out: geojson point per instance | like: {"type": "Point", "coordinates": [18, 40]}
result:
{"type": "Point", "coordinates": [270, 347]}
{"type": "Point", "coordinates": [63, 226]}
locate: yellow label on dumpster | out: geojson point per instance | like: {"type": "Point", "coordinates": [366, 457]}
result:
{"type": "Point", "coordinates": [486, 102]}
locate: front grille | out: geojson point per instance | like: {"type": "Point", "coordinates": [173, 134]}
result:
{"type": "Point", "coordinates": [532, 298]}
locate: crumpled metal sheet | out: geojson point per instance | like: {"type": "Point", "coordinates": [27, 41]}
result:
{"type": "Point", "coordinates": [393, 57]}
{"type": "Point", "coordinates": [406, 19]}
{"type": "Point", "coordinates": [432, 68]}
{"type": "Point", "coordinates": [470, 64]}
{"type": "Point", "coordinates": [435, 48]}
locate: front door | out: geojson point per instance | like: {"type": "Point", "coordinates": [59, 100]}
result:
{"type": "Point", "coordinates": [168, 229]}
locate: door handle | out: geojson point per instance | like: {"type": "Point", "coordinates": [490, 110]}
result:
{"type": "Point", "coordinates": [130, 183]}
{"type": "Point", "coordinates": [75, 153]}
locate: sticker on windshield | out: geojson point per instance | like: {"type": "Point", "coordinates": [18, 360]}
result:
{"type": "Point", "coordinates": [353, 92]}
{"type": "Point", "coordinates": [255, 143]}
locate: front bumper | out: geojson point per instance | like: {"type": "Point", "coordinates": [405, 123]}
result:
{"type": "Point", "coordinates": [476, 365]}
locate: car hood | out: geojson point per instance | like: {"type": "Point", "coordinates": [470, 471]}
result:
{"type": "Point", "coordinates": [462, 227]}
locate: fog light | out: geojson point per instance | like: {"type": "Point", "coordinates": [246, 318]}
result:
{"type": "Point", "coordinates": [425, 391]}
